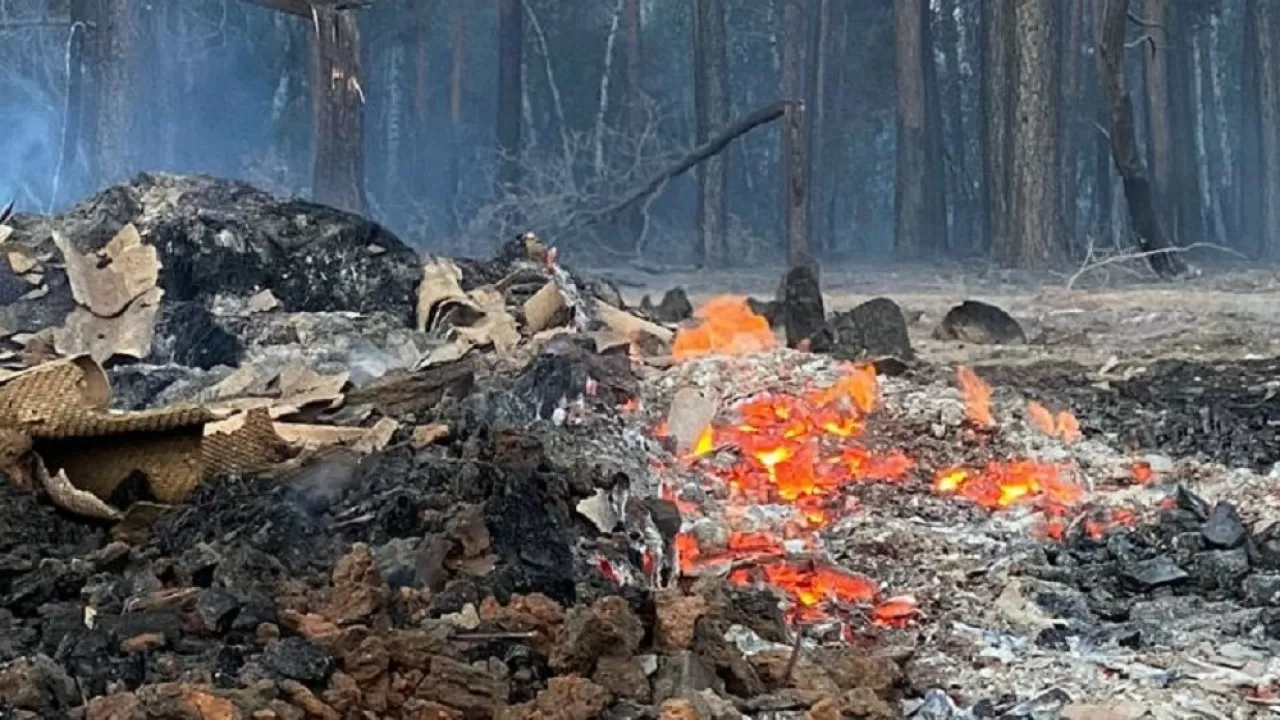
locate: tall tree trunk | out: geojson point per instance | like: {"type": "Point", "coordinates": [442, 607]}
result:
{"type": "Point", "coordinates": [1226, 186]}
{"type": "Point", "coordinates": [457, 75]}
{"type": "Point", "coordinates": [510, 90]}
{"type": "Point", "coordinates": [915, 222]}
{"type": "Point", "coordinates": [1188, 211]}
{"type": "Point", "coordinates": [963, 232]}
{"type": "Point", "coordinates": [338, 109]}
{"type": "Point", "coordinates": [1106, 233]}
{"type": "Point", "coordinates": [393, 127]}
{"type": "Point", "coordinates": [997, 70]}
{"type": "Point", "coordinates": [1138, 193]}
{"type": "Point", "coordinates": [1035, 183]}
{"type": "Point", "coordinates": [81, 61]}
{"type": "Point", "coordinates": [117, 92]}
{"type": "Point", "coordinates": [1073, 118]}
{"type": "Point", "coordinates": [822, 43]}
{"type": "Point", "coordinates": [1265, 22]}
{"type": "Point", "coordinates": [935, 174]}
{"type": "Point", "coordinates": [711, 112]}
{"type": "Point", "coordinates": [633, 54]}
{"type": "Point", "coordinates": [1203, 127]}
{"type": "Point", "coordinates": [1249, 170]}
{"type": "Point", "coordinates": [606, 73]}
{"type": "Point", "coordinates": [1155, 65]}
{"type": "Point", "coordinates": [793, 165]}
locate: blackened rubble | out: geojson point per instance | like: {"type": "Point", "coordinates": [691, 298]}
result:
{"type": "Point", "coordinates": [1191, 550]}
{"type": "Point", "coordinates": [1223, 411]}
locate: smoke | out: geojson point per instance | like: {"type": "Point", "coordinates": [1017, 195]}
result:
{"type": "Point", "coordinates": [28, 152]}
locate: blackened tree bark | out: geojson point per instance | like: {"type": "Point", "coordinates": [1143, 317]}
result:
{"type": "Point", "coordinates": [1103, 231]}
{"type": "Point", "coordinates": [995, 93]}
{"type": "Point", "coordinates": [1155, 69]}
{"type": "Point", "coordinates": [935, 176]}
{"type": "Point", "coordinates": [633, 59]}
{"type": "Point", "coordinates": [1073, 116]}
{"type": "Point", "coordinates": [1187, 205]}
{"type": "Point", "coordinates": [457, 75]}
{"type": "Point", "coordinates": [822, 42]}
{"type": "Point", "coordinates": [1035, 185]}
{"type": "Point", "coordinates": [75, 138]}
{"type": "Point", "coordinates": [964, 229]}
{"type": "Point", "coordinates": [510, 88]}
{"type": "Point", "coordinates": [1264, 26]}
{"type": "Point", "coordinates": [116, 101]}
{"type": "Point", "coordinates": [793, 165]}
{"type": "Point", "coordinates": [915, 217]}
{"type": "Point", "coordinates": [1139, 194]}
{"type": "Point", "coordinates": [711, 113]}
{"type": "Point", "coordinates": [338, 109]}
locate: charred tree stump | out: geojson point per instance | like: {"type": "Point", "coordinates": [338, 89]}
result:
{"type": "Point", "coordinates": [338, 107]}
{"type": "Point", "coordinates": [1138, 191]}
{"type": "Point", "coordinates": [803, 313]}
{"type": "Point", "coordinates": [793, 167]}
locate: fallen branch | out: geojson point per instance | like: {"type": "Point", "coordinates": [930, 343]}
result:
{"type": "Point", "coordinates": [1113, 259]}
{"type": "Point", "coordinates": [709, 149]}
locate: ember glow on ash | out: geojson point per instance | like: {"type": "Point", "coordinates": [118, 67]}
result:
{"type": "Point", "coordinates": [799, 451]}
{"type": "Point", "coordinates": [725, 325]}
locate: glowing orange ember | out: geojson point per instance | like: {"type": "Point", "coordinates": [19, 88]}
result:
{"type": "Point", "coordinates": [727, 327]}
{"type": "Point", "coordinates": [1142, 472]}
{"type": "Point", "coordinates": [800, 452]}
{"type": "Point", "coordinates": [977, 396]}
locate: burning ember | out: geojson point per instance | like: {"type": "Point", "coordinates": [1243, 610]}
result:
{"type": "Point", "coordinates": [726, 326]}
{"type": "Point", "coordinates": [782, 464]}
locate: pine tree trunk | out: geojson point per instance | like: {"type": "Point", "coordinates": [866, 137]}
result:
{"type": "Point", "coordinates": [1035, 183]}
{"type": "Point", "coordinates": [338, 112]}
{"type": "Point", "coordinates": [711, 112]}
{"type": "Point", "coordinates": [457, 76]}
{"type": "Point", "coordinates": [997, 57]}
{"type": "Point", "coordinates": [914, 219]}
{"type": "Point", "coordinates": [114, 111]}
{"type": "Point", "coordinates": [510, 93]}
{"type": "Point", "coordinates": [793, 165]}
{"type": "Point", "coordinates": [1266, 28]}
{"type": "Point", "coordinates": [1073, 119]}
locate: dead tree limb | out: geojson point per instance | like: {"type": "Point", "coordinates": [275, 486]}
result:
{"type": "Point", "coordinates": [1138, 192]}
{"type": "Point", "coordinates": [710, 148]}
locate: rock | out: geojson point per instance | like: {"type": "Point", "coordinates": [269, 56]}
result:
{"type": "Point", "coordinates": [1221, 569]}
{"type": "Point", "coordinates": [863, 703]}
{"type": "Point", "coordinates": [566, 698]}
{"type": "Point", "coordinates": [40, 685]}
{"type": "Point", "coordinates": [117, 706]}
{"type": "Point", "coordinates": [676, 617]}
{"type": "Point", "coordinates": [681, 675]}
{"type": "Point", "coordinates": [358, 589]}
{"type": "Point", "coordinates": [828, 709]}
{"type": "Point", "coordinates": [676, 709]}
{"type": "Point", "coordinates": [1261, 590]}
{"type": "Point", "coordinates": [716, 707]}
{"type": "Point", "coordinates": [726, 658]}
{"type": "Point", "coordinates": [297, 659]}
{"type": "Point", "coordinates": [1156, 572]}
{"type": "Point", "coordinates": [216, 608]}
{"type": "Point", "coordinates": [218, 236]}
{"type": "Point", "coordinates": [805, 674]}
{"type": "Point", "coordinates": [623, 678]}
{"type": "Point", "coordinates": [1117, 711]}
{"type": "Point", "coordinates": [673, 308]}
{"type": "Point", "coordinates": [1046, 704]}
{"type": "Point", "coordinates": [803, 315]}
{"type": "Point", "coordinates": [608, 627]}
{"type": "Point", "coordinates": [977, 322]}
{"type": "Point", "coordinates": [473, 691]}
{"type": "Point", "coordinates": [1223, 528]}
{"type": "Point", "coordinates": [873, 329]}
{"type": "Point", "coordinates": [850, 669]}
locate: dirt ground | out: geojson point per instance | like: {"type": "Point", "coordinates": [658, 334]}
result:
{"type": "Point", "coordinates": [1222, 314]}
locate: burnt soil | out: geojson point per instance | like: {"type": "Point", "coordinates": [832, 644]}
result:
{"type": "Point", "coordinates": [1222, 411]}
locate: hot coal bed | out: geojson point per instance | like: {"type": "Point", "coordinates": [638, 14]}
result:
{"type": "Point", "coordinates": [461, 578]}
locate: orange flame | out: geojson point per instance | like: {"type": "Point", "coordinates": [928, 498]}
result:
{"type": "Point", "coordinates": [1063, 425]}
{"type": "Point", "coordinates": [977, 396]}
{"type": "Point", "coordinates": [727, 327]}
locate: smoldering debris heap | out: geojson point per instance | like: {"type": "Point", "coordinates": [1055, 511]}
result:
{"type": "Point", "coordinates": [265, 462]}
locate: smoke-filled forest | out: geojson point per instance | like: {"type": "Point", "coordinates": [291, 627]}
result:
{"type": "Point", "coordinates": [712, 133]}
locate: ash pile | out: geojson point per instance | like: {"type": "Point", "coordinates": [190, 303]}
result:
{"type": "Point", "coordinates": [264, 461]}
